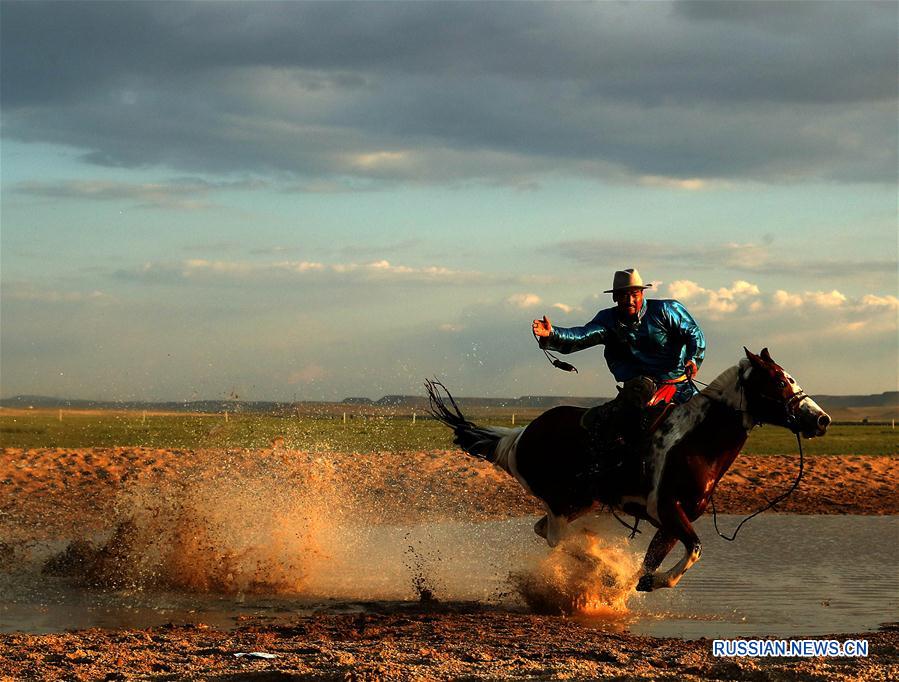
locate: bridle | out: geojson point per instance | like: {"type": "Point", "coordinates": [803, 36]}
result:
{"type": "Point", "coordinates": [791, 421]}
{"type": "Point", "coordinates": [790, 418]}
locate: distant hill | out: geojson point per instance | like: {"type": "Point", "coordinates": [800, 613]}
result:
{"type": "Point", "coordinates": [877, 406]}
{"type": "Point", "coordinates": [402, 401]}
{"type": "Point", "coordinates": [39, 401]}
{"type": "Point", "coordinates": [888, 399]}
{"type": "Point", "coordinates": [532, 401]}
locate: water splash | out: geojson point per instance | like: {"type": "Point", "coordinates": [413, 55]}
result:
{"type": "Point", "coordinates": [584, 574]}
{"type": "Point", "coordinates": [226, 531]}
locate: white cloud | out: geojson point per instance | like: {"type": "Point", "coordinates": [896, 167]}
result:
{"type": "Point", "coordinates": [784, 299]}
{"type": "Point", "coordinates": [688, 184]}
{"type": "Point", "coordinates": [380, 159]}
{"type": "Point", "coordinates": [825, 299]}
{"type": "Point", "coordinates": [739, 289]}
{"type": "Point", "coordinates": [716, 303]}
{"type": "Point", "coordinates": [565, 308]}
{"type": "Point", "coordinates": [847, 315]}
{"type": "Point", "coordinates": [684, 290]}
{"type": "Point", "coordinates": [872, 301]}
{"type": "Point", "coordinates": [524, 300]}
{"type": "Point", "coordinates": [198, 269]}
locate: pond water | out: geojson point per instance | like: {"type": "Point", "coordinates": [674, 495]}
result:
{"type": "Point", "coordinates": [786, 575]}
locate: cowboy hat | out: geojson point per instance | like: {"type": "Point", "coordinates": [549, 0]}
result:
{"type": "Point", "coordinates": [627, 279]}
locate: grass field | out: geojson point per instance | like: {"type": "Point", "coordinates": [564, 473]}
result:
{"type": "Point", "coordinates": [361, 432]}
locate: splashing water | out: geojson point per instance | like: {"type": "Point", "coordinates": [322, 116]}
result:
{"type": "Point", "coordinates": [294, 524]}
{"type": "Point", "coordinates": [584, 574]}
{"type": "Point", "coordinates": [234, 532]}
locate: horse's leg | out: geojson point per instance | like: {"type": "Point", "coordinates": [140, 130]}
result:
{"type": "Point", "coordinates": [659, 547]}
{"type": "Point", "coordinates": [551, 527]}
{"type": "Point", "coordinates": [675, 521]}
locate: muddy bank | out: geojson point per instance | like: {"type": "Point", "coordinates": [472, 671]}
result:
{"type": "Point", "coordinates": [53, 492]}
{"type": "Point", "coordinates": [437, 642]}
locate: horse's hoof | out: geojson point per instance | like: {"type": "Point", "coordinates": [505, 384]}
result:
{"type": "Point", "coordinates": [645, 583]}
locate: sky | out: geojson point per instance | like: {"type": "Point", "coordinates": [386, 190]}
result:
{"type": "Point", "coordinates": [312, 201]}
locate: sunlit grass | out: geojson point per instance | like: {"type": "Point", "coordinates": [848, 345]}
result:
{"type": "Point", "coordinates": [359, 433]}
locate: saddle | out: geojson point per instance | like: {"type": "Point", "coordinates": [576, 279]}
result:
{"type": "Point", "coordinates": [620, 435]}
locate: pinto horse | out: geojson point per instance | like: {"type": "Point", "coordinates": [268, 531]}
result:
{"type": "Point", "coordinates": [689, 453]}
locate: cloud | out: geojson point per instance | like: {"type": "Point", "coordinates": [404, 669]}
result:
{"type": "Point", "coordinates": [565, 308]}
{"type": "Point", "coordinates": [876, 302]}
{"type": "Point", "coordinates": [524, 300]}
{"type": "Point", "coordinates": [342, 97]}
{"type": "Point", "coordinates": [825, 299]}
{"type": "Point", "coordinates": [200, 270]}
{"type": "Point", "coordinates": [742, 257]}
{"type": "Point", "coordinates": [688, 184]}
{"type": "Point", "coordinates": [182, 194]}
{"type": "Point", "coordinates": [716, 302]}
{"type": "Point", "coordinates": [784, 299]}
{"type": "Point", "coordinates": [794, 314]}
{"type": "Point", "coordinates": [822, 299]}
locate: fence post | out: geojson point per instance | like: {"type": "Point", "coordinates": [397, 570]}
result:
{"type": "Point", "coordinates": [60, 415]}
{"type": "Point", "coordinates": [513, 419]}
{"type": "Point", "coordinates": [143, 417]}
{"type": "Point", "coordinates": [226, 415]}
{"type": "Point", "coordinates": [413, 416]}
{"type": "Point", "coordinates": [344, 417]}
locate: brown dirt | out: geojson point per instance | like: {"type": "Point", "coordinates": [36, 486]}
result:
{"type": "Point", "coordinates": [70, 493]}
{"type": "Point", "coordinates": [56, 490]}
{"type": "Point", "coordinates": [422, 643]}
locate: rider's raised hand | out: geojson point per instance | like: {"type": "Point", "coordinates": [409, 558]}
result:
{"type": "Point", "coordinates": [690, 369]}
{"type": "Point", "coordinates": [542, 327]}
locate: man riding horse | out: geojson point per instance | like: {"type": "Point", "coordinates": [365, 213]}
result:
{"type": "Point", "coordinates": [652, 346]}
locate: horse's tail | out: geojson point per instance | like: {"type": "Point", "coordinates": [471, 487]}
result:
{"type": "Point", "coordinates": [491, 443]}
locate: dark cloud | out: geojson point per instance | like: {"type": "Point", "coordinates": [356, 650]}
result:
{"type": "Point", "coordinates": [498, 92]}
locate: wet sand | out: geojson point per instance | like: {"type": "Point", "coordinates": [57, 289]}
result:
{"type": "Point", "coordinates": [49, 494]}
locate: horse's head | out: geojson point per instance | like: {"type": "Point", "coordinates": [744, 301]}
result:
{"type": "Point", "coordinates": [774, 397]}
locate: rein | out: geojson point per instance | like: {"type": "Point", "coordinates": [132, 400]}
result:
{"type": "Point", "coordinates": [768, 506]}
{"type": "Point", "coordinates": [771, 504]}
{"type": "Point", "coordinates": [555, 362]}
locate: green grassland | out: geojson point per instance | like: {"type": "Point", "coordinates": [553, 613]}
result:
{"type": "Point", "coordinates": [359, 431]}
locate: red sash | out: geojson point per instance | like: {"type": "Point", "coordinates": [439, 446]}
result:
{"type": "Point", "coordinates": [666, 391]}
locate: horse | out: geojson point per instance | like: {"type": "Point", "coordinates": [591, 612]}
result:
{"type": "Point", "coordinates": [689, 452]}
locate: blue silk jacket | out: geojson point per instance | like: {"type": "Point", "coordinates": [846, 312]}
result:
{"type": "Point", "coordinates": [658, 344]}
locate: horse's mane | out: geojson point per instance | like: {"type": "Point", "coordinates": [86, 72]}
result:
{"type": "Point", "coordinates": [725, 382]}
